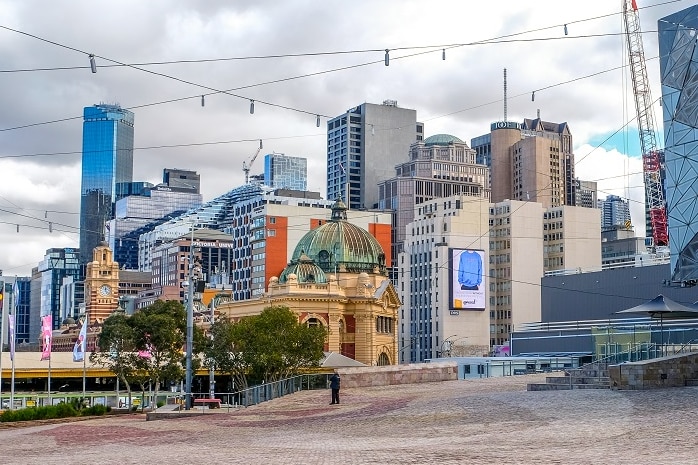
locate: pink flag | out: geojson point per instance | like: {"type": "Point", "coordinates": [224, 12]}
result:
{"type": "Point", "coordinates": [12, 336]}
{"type": "Point", "coordinates": [46, 337]}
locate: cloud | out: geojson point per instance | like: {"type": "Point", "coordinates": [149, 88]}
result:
{"type": "Point", "coordinates": [461, 95]}
{"type": "Point", "coordinates": [615, 174]}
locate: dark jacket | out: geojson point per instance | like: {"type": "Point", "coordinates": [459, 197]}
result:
{"type": "Point", "coordinates": [334, 381]}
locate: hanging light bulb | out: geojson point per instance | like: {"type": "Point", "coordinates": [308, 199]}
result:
{"type": "Point", "coordinates": [17, 228]}
{"type": "Point", "coordinates": [373, 130]}
{"type": "Point", "coordinates": [202, 101]}
{"type": "Point", "coordinates": [46, 214]}
{"type": "Point", "coordinates": [260, 144]}
{"type": "Point", "coordinates": [251, 107]}
{"type": "Point", "coordinates": [533, 96]}
{"type": "Point", "coordinates": [443, 54]}
{"type": "Point", "coordinates": [50, 227]}
{"type": "Point", "coordinates": [565, 29]}
{"type": "Point", "coordinates": [93, 65]}
{"type": "Point", "coordinates": [387, 57]}
{"type": "Point", "coordinates": [317, 121]}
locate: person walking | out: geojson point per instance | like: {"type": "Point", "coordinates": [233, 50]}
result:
{"type": "Point", "coordinates": [334, 385]}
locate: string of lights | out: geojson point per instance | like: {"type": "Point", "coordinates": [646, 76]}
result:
{"type": "Point", "coordinates": [430, 49]}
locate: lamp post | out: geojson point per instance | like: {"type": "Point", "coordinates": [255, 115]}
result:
{"type": "Point", "coordinates": [190, 324]}
{"type": "Point", "coordinates": [443, 345]}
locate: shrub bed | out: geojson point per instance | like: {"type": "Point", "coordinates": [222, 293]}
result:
{"type": "Point", "coordinates": [61, 410]}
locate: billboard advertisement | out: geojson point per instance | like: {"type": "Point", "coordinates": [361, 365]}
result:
{"type": "Point", "coordinates": [467, 279]}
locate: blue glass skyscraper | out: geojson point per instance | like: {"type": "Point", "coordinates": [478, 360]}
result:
{"type": "Point", "coordinates": [678, 39]}
{"type": "Point", "coordinates": [284, 172]}
{"type": "Point", "coordinates": [107, 159]}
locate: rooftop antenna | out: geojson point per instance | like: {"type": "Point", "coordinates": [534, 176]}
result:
{"type": "Point", "coordinates": [538, 113]}
{"type": "Point", "coordinates": [505, 95]}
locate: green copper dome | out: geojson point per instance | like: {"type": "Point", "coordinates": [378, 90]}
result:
{"type": "Point", "coordinates": [442, 139]}
{"type": "Point", "coordinates": [306, 271]}
{"type": "Point", "coordinates": [338, 246]}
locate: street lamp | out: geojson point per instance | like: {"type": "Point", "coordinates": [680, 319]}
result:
{"type": "Point", "coordinates": [443, 345]}
{"type": "Point", "coordinates": [190, 324]}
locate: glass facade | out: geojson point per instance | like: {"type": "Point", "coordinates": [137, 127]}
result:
{"type": "Point", "coordinates": [136, 212]}
{"type": "Point", "coordinates": [679, 75]}
{"type": "Point", "coordinates": [107, 160]}
{"type": "Point", "coordinates": [284, 172]}
{"type": "Point", "coordinates": [614, 211]}
{"type": "Point", "coordinates": [56, 265]}
{"type": "Point", "coordinates": [22, 304]}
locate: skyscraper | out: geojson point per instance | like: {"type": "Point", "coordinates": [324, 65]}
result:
{"type": "Point", "coordinates": [141, 212]}
{"type": "Point", "coordinates": [614, 211]}
{"type": "Point", "coordinates": [107, 159]}
{"type": "Point", "coordinates": [285, 172]}
{"type": "Point", "coordinates": [363, 146]}
{"type": "Point", "coordinates": [440, 166]}
{"type": "Point", "coordinates": [529, 161]}
{"type": "Point", "coordinates": [678, 63]}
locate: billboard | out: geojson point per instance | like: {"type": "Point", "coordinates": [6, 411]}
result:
{"type": "Point", "coordinates": [467, 279]}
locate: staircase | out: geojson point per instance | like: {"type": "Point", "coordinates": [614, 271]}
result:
{"type": "Point", "coordinates": [591, 376]}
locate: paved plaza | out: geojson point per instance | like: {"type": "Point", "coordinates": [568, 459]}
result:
{"type": "Point", "coordinates": [488, 421]}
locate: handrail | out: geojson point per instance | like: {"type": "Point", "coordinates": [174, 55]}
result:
{"type": "Point", "coordinates": [685, 344]}
{"type": "Point", "coordinates": [604, 360]}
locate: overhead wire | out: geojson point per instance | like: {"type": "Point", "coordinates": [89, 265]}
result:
{"type": "Point", "coordinates": [431, 49]}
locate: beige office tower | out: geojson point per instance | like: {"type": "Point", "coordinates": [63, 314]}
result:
{"type": "Point", "coordinates": [532, 161]}
{"type": "Point", "coordinates": [515, 266]}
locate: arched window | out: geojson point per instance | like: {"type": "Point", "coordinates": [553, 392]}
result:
{"type": "Point", "coordinates": [383, 359]}
{"type": "Point", "coordinates": [311, 322]}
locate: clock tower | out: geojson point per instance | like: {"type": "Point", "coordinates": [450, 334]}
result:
{"type": "Point", "coordinates": [101, 284]}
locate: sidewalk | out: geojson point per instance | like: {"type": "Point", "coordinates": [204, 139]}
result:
{"type": "Point", "coordinates": [486, 421]}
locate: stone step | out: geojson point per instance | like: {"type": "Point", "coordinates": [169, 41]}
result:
{"type": "Point", "coordinates": [692, 382]}
{"type": "Point", "coordinates": [563, 387]}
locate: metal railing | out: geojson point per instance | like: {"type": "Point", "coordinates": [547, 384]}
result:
{"type": "Point", "coordinates": [261, 393]}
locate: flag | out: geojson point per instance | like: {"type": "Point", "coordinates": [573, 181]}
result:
{"type": "Point", "coordinates": [80, 344]}
{"type": "Point", "coordinates": [147, 353]}
{"type": "Point", "coordinates": [11, 321]}
{"type": "Point", "coordinates": [46, 337]}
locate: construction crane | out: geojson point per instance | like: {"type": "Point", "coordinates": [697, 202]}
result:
{"type": "Point", "coordinates": [246, 168]}
{"type": "Point", "coordinates": [652, 156]}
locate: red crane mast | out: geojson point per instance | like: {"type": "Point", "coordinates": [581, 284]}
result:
{"type": "Point", "coordinates": [652, 156]}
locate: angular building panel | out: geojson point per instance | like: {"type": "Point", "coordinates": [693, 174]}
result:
{"type": "Point", "coordinates": [679, 75]}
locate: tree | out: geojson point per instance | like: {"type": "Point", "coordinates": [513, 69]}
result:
{"type": "Point", "coordinates": [159, 334]}
{"type": "Point", "coordinates": [116, 345]}
{"type": "Point", "coordinates": [221, 352]}
{"type": "Point", "coordinates": [274, 345]}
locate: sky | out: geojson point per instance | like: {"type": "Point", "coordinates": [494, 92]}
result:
{"type": "Point", "coordinates": [297, 59]}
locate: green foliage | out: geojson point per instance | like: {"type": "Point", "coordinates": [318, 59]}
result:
{"type": "Point", "coordinates": [160, 403]}
{"type": "Point", "coordinates": [62, 410]}
{"type": "Point", "coordinates": [158, 330]}
{"type": "Point", "coordinates": [95, 410]}
{"type": "Point", "coordinates": [265, 347]}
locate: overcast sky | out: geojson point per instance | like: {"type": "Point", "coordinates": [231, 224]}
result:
{"type": "Point", "coordinates": [461, 95]}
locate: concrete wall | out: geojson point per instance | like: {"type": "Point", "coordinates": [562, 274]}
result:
{"type": "Point", "coordinates": [671, 371]}
{"type": "Point", "coordinates": [398, 374]}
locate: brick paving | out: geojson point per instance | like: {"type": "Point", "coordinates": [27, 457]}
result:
{"type": "Point", "coordinates": [488, 421]}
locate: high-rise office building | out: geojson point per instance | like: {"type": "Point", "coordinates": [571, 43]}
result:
{"type": "Point", "coordinates": [678, 63]}
{"type": "Point", "coordinates": [285, 172]}
{"type": "Point", "coordinates": [529, 161]}
{"type": "Point", "coordinates": [136, 214]}
{"type": "Point", "coordinates": [182, 179]}
{"type": "Point", "coordinates": [440, 166]}
{"type": "Point", "coordinates": [445, 303]}
{"type": "Point", "coordinates": [363, 147]}
{"type": "Point", "coordinates": [614, 211]}
{"type": "Point", "coordinates": [107, 160]}
{"type": "Point", "coordinates": [47, 280]}
{"type": "Point", "coordinates": [585, 193]}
